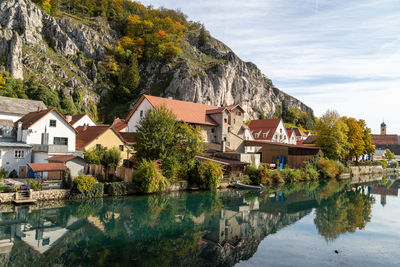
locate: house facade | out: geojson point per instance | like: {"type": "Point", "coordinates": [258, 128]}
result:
{"type": "Point", "coordinates": [272, 130]}
{"type": "Point", "coordinates": [15, 156]}
{"type": "Point", "coordinates": [80, 120]}
{"type": "Point", "coordinates": [222, 127]}
{"type": "Point", "coordinates": [91, 137]}
{"type": "Point", "coordinates": [48, 132]}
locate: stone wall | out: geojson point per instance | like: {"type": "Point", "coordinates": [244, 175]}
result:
{"type": "Point", "coordinates": [54, 194]}
{"type": "Point", "coordinates": [178, 186]}
{"type": "Point", "coordinates": [362, 170]}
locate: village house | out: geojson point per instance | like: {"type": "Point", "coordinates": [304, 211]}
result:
{"type": "Point", "coordinates": [223, 128]}
{"type": "Point", "coordinates": [48, 132]}
{"type": "Point", "coordinates": [291, 136]}
{"type": "Point", "coordinates": [75, 164]}
{"type": "Point", "coordinates": [272, 130]}
{"type": "Point", "coordinates": [90, 137]}
{"type": "Point", "coordinates": [15, 108]}
{"type": "Point", "coordinates": [80, 120]}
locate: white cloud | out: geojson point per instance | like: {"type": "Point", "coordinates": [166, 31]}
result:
{"type": "Point", "coordinates": [329, 53]}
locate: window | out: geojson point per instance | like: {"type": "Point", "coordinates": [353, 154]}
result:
{"type": "Point", "coordinates": [61, 141]}
{"type": "Point", "coordinates": [265, 135]}
{"type": "Point", "coordinates": [225, 139]}
{"type": "Point", "coordinates": [281, 130]}
{"type": "Point", "coordinates": [53, 123]}
{"type": "Point", "coordinates": [141, 114]}
{"type": "Point", "coordinates": [19, 154]}
{"type": "Point", "coordinates": [121, 147]}
{"type": "Point", "coordinates": [212, 130]}
{"type": "Point", "coordinates": [239, 113]}
{"type": "Point", "coordinates": [234, 121]}
{"type": "Point", "coordinates": [225, 120]}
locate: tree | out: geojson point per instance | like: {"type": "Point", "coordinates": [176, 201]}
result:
{"type": "Point", "coordinates": [161, 137]}
{"type": "Point", "coordinates": [355, 136]}
{"type": "Point", "coordinates": [369, 148]}
{"type": "Point", "coordinates": [203, 36]}
{"type": "Point", "coordinates": [112, 158]}
{"type": "Point", "coordinates": [332, 135]}
{"type": "Point", "coordinates": [389, 155]}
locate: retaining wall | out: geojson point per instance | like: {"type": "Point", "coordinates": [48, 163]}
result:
{"type": "Point", "coordinates": [54, 194]}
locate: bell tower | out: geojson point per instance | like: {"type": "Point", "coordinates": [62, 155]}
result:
{"type": "Point", "coordinates": [383, 128]}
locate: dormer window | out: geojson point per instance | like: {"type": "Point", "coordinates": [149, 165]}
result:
{"type": "Point", "coordinates": [53, 123]}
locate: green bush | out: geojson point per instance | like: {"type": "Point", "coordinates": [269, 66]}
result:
{"type": "Point", "coordinates": [383, 162]}
{"type": "Point", "coordinates": [206, 174]}
{"type": "Point", "coordinates": [84, 183]}
{"type": "Point", "coordinates": [97, 190]}
{"type": "Point", "coordinates": [119, 189]}
{"type": "Point", "coordinates": [148, 177]}
{"type": "Point", "coordinates": [327, 168]}
{"type": "Point", "coordinates": [276, 177]}
{"type": "Point", "coordinates": [245, 179]}
{"type": "Point", "coordinates": [35, 185]}
{"type": "Point", "coordinates": [3, 174]}
{"type": "Point", "coordinates": [310, 171]}
{"type": "Point", "coordinates": [254, 174]}
{"type": "Point", "coordinates": [291, 176]}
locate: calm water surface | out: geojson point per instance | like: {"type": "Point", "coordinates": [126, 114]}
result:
{"type": "Point", "coordinates": [295, 225]}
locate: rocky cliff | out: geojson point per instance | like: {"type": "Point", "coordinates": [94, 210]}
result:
{"type": "Point", "coordinates": [64, 52]}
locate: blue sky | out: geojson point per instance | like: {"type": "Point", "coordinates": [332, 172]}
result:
{"type": "Point", "coordinates": [331, 54]}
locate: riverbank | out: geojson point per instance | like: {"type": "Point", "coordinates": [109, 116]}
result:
{"type": "Point", "coordinates": [356, 171]}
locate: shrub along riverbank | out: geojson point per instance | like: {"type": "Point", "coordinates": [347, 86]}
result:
{"type": "Point", "coordinates": [319, 168]}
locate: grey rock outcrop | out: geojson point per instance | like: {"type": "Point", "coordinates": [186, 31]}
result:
{"type": "Point", "coordinates": [65, 53]}
{"type": "Point", "coordinates": [15, 57]}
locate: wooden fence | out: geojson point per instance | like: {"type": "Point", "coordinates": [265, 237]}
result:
{"type": "Point", "coordinates": [125, 174]}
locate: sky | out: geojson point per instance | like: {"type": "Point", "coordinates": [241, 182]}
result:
{"type": "Point", "coordinates": [330, 54]}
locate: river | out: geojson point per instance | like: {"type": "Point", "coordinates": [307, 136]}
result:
{"type": "Point", "coordinates": [327, 223]}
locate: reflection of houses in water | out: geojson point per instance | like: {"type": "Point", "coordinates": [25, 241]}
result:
{"type": "Point", "coordinates": [383, 191]}
{"type": "Point", "coordinates": [41, 230]}
{"type": "Point", "coordinates": [235, 233]}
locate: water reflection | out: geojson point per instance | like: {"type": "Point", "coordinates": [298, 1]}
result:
{"type": "Point", "coordinates": [191, 229]}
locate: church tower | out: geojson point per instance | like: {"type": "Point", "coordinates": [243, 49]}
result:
{"type": "Point", "coordinates": [383, 128]}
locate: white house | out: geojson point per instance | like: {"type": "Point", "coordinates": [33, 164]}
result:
{"type": "Point", "coordinates": [80, 120]}
{"type": "Point", "coordinates": [48, 132]}
{"type": "Point", "coordinates": [272, 130]}
{"type": "Point", "coordinates": [15, 156]}
{"type": "Point", "coordinates": [14, 108]}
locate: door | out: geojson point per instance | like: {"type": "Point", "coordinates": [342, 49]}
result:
{"type": "Point", "coordinates": [22, 171]}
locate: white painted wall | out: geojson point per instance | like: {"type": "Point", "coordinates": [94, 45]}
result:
{"type": "Point", "coordinates": [8, 160]}
{"type": "Point", "coordinates": [33, 135]}
{"type": "Point", "coordinates": [76, 166]}
{"type": "Point", "coordinates": [281, 135]}
{"type": "Point", "coordinates": [13, 117]}
{"type": "Point", "coordinates": [40, 157]}
{"type": "Point", "coordinates": [84, 120]}
{"type": "Point", "coordinates": [249, 136]}
{"type": "Point", "coordinates": [135, 118]}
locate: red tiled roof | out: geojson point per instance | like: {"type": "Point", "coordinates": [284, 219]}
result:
{"type": "Point", "coordinates": [76, 118]}
{"type": "Point", "coordinates": [184, 111]}
{"type": "Point", "coordinates": [128, 138]}
{"type": "Point", "coordinates": [231, 107]}
{"type": "Point", "coordinates": [215, 110]}
{"type": "Point", "coordinates": [119, 124]}
{"type": "Point", "coordinates": [85, 137]}
{"type": "Point", "coordinates": [299, 132]}
{"type": "Point", "coordinates": [388, 139]}
{"type": "Point", "coordinates": [46, 167]}
{"type": "Point", "coordinates": [32, 117]}
{"type": "Point", "coordinates": [62, 158]}
{"type": "Point", "coordinates": [290, 132]}
{"type": "Point", "coordinates": [265, 126]}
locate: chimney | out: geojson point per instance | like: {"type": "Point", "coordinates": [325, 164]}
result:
{"type": "Point", "coordinates": [19, 132]}
{"type": "Point", "coordinates": [68, 118]}
{"type": "Point", "coordinates": [223, 146]}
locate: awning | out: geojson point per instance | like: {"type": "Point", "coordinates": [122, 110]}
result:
{"type": "Point", "coordinates": [47, 167]}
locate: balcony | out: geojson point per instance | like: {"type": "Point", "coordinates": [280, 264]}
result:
{"type": "Point", "coordinates": [50, 148]}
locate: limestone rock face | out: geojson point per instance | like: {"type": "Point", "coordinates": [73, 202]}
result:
{"type": "Point", "coordinates": [222, 79]}
{"type": "Point", "coordinates": [64, 54]}
{"type": "Point", "coordinates": [15, 56]}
